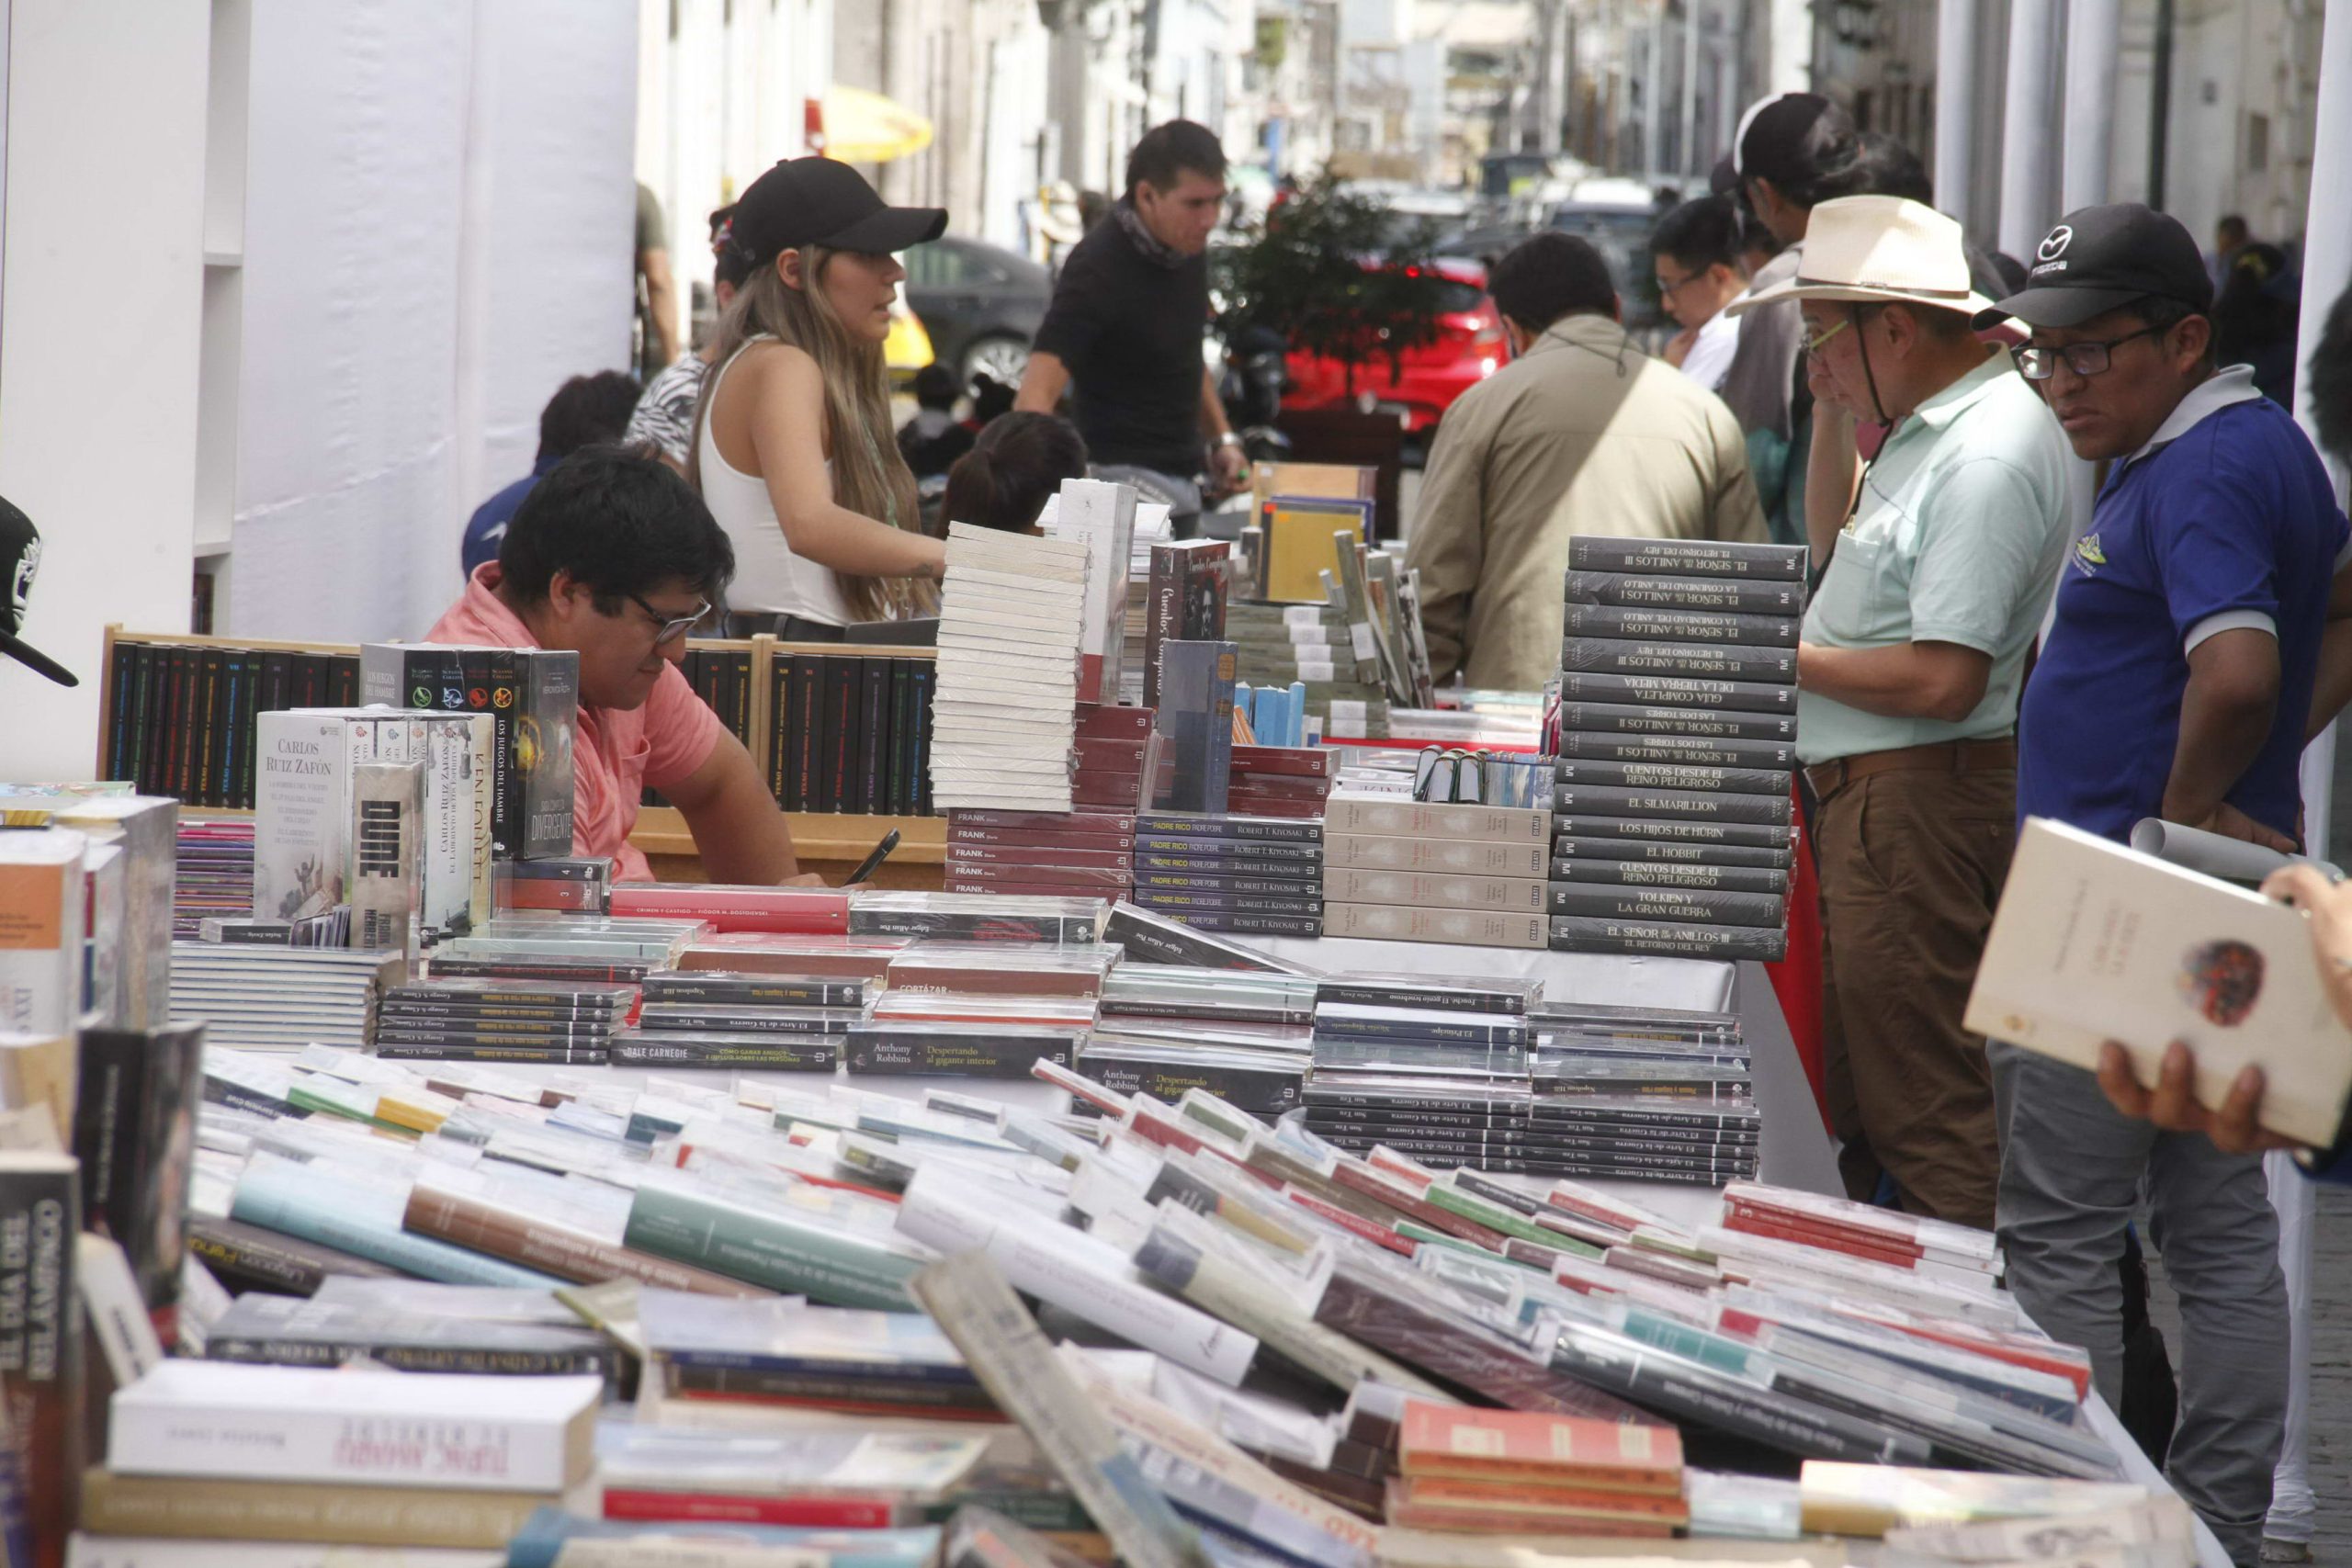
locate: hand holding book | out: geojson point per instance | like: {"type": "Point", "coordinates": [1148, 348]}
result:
{"type": "Point", "coordinates": [2234, 1125]}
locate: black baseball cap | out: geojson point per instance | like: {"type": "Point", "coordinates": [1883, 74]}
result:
{"type": "Point", "coordinates": [2102, 258]}
{"type": "Point", "coordinates": [820, 201]}
{"type": "Point", "coordinates": [19, 558]}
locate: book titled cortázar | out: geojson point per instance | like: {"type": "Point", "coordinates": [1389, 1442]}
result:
{"type": "Point", "coordinates": [2093, 942]}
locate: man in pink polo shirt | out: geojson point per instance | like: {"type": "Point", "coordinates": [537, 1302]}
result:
{"type": "Point", "coordinates": [614, 557]}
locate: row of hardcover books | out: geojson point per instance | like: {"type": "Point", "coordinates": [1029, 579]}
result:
{"type": "Point", "coordinates": [852, 733]}
{"type": "Point", "coordinates": [180, 717]}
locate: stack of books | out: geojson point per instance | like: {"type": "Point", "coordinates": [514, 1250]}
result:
{"type": "Point", "coordinates": [278, 998]}
{"type": "Point", "coordinates": [1658, 1092]}
{"type": "Point", "coordinates": [1526, 1471]}
{"type": "Point", "coordinates": [1315, 647]}
{"type": "Point", "coordinates": [1044, 853]}
{"type": "Point", "coordinates": [532, 698]}
{"type": "Point", "coordinates": [1101, 516]}
{"type": "Point", "coordinates": [1422, 1066]}
{"type": "Point", "coordinates": [743, 1020]}
{"type": "Point", "coordinates": [1278, 781]}
{"type": "Point", "coordinates": [1167, 1031]}
{"type": "Point", "coordinates": [1931, 1248]}
{"type": "Point", "coordinates": [792, 1355]}
{"type": "Point", "coordinates": [214, 876]}
{"type": "Point", "coordinates": [558, 1022]}
{"type": "Point", "coordinates": [582, 941]}
{"type": "Point", "coordinates": [1012, 621]}
{"type": "Point", "coordinates": [1110, 745]}
{"type": "Point", "coordinates": [1225, 872]}
{"type": "Point", "coordinates": [1420, 871]}
{"type": "Point", "coordinates": [981, 1009]}
{"type": "Point", "coordinates": [1677, 718]}
{"type": "Point", "coordinates": [231, 1455]}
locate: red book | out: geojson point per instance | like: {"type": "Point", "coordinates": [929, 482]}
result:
{"type": "Point", "coordinates": [1738, 1217]}
{"type": "Point", "coordinates": [800, 911]}
{"type": "Point", "coordinates": [1385, 1188]}
{"type": "Point", "coordinates": [1117, 823]}
{"type": "Point", "coordinates": [970, 855]}
{"type": "Point", "coordinates": [1523, 1446]}
{"type": "Point", "coordinates": [1100, 721]}
{"type": "Point", "coordinates": [1107, 789]}
{"type": "Point", "coordinates": [726, 1507]}
{"type": "Point", "coordinates": [1378, 1235]}
{"type": "Point", "coordinates": [1304, 761]}
{"type": "Point", "coordinates": [770, 952]}
{"type": "Point", "coordinates": [1118, 755]}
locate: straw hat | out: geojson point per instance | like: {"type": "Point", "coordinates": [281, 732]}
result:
{"type": "Point", "coordinates": [1878, 250]}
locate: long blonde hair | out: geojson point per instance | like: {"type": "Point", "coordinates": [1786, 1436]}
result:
{"type": "Point", "coordinates": [870, 477]}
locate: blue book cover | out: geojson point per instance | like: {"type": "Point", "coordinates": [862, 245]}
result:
{"type": "Point", "coordinates": [311, 1203]}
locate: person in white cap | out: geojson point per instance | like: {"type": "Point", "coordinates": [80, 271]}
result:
{"type": "Point", "coordinates": [1907, 674]}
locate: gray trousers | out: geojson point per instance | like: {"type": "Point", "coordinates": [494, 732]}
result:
{"type": "Point", "coordinates": [2071, 1171]}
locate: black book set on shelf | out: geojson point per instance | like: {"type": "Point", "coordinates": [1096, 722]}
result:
{"type": "Point", "coordinates": [179, 714]}
{"type": "Point", "coordinates": [852, 731]}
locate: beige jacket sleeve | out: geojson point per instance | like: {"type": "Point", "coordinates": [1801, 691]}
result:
{"type": "Point", "coordinates": [1449, 545]}
{"type": "Point", "coordinates": [1738, 510]}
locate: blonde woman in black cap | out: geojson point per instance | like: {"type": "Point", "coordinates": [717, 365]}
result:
{"type": "Point", "coordinates": [794, 451]}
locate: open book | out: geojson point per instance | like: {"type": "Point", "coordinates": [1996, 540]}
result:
{"type": "Point", "coordinates": [2093, 942]}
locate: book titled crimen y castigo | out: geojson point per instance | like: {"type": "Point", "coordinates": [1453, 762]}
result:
{"type": "Point", "coordinates": [2095, 942]}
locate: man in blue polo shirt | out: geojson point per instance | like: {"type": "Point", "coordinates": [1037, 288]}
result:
{"type": "Point", "coordinates": [2177, 682]}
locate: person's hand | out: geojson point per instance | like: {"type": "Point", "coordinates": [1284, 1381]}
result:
{"type": "Point", "coordinates": [2231, 823]}
{"type": "Point", "coordinates": [1227, 463]}
{"type": "Point", "coordinates": [805, 879]}
{"type": "Point", "coordinates": [2328, 906]}
{"type": "Point", "coordinates": [1678, 346]}
{"type": "Point", "coordinates": [2235, 1128]}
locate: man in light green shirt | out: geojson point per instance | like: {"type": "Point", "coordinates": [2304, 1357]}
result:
{"type": "Point", "coordinates": [1907, 674]}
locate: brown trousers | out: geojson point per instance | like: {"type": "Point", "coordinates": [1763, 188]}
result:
{"type": "Point", "coordinates": [1912, 864]}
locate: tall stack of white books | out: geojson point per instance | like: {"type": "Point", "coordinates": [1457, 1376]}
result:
{"type": "Point", "coordinates": [1004, 716]}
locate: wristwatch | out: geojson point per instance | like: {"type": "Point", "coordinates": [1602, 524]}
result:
{"type": "Point", "coordinates": [1227, 438]}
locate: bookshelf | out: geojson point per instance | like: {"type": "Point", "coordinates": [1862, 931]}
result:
{"type": "Point", "coordinates": [825, 841]}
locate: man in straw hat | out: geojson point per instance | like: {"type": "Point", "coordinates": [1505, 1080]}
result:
{"type": "Point", "coordinates": [2203, 634]}
{"type": "Point", "coordinates": [1907, 680]}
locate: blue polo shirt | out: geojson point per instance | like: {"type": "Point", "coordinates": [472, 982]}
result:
{"type": "Point", "coordinates": [486, 530]}
{"type": "Point", "coordinates": [2224, 520]}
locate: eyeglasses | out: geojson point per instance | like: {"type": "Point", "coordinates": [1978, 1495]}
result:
{"type": "Point", "coordinates": [1813, 345]}
{"type": "Point", "coordinates": [2082, 358]}
{"type": "Point", "coordinates": [1666, 291]}
{"type": "Point", "coordinates": [670, 628]}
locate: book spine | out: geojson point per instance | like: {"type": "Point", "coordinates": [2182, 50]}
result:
{"type": "Point", "coordinates": [1685, 805]}
{"type": "Point", "coordinates": [1569, 852]}
{"type": "Point", "coordinates": [1374, 853]}
{"type": "Point", "coordinates": [1164, 612]}
{"type": "Point", "coordinates": [1673, 874]}
{"type": "Point", "coordinates": [453, 1356]}
{"type": "Point", "coordinates": [1711, 661]}
{"type": "Point", "coordinates": [311, 1442]}
{"type": "Point", "coordinates": [1201, 835]}
{"type": "Point", "coordinates": [925, 676]}
{"type": "Point", "coordinates": [783, 1054]}
{"type": "Point", "coordinates": [1400, 817]}
{"type": "Point", "coordinates": [768, 1248]}
{"type": "Point", "coordinates": [1669, 904]}
{"type": "Point", "coordinates": [839, 673]}
{"type": "Point", "coordinates": [874, 736]}
{"type": "Point", "coordinates": [1716, 594]}
{"type": "Point", "coordinates": [784, 780]}
{"type": "Point", "coordinates": [809, 689]}
{"type": "Point", "coordinates": [1671, 776]}
{"type": "Point", "coordinates": [1477, 928]}
{"type": "Point", "coordinates": [1625, 624]}
{"type": "Point", "coordinates": [1747, 835]}
{"type": "Point", "coordinates": [1290, 889]}
{"type": "Point", "coordinates": [1605, 934]}
{"type": "Point", "coordinates": [1678, 692]}
{"type": "Point", "coordinates": [552, 699]}
{"type": "Point", "coordinates": [1690, 557]}
{"type": "Point", "coordinates": [171, 1509]}
{"type": "Point", "coordinates": [1289, 899]}
{"type": "Point", "coordinates": [903, 790]}
{"type": "Point", "coordinates": [1241, 923]}
{"type": "Point", "coordinates": [248, 1258]}
{"type": "Point", "coordinates": [1435, 890]}
{"type": "Point", "coordinates": [1260, 1091]}
{"type": "Point", "coordinates": [386, 865]}
{"type": "Point", "coordinates": [881, 1048]}
{"type": "Point", "coordinates": [1711, 724]}
{"type": "Point", "coordinates": [295, 1201]}
{"type": "Point", "coordinates": [686, 1508]}
{"type": "Point", "coordinates": [40, 1349]}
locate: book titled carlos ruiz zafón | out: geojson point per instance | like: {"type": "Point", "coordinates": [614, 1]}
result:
{"type": "Point", "coordinates": [2093, 942]}
{"type": "Point", "coordinates": [385, 1428]}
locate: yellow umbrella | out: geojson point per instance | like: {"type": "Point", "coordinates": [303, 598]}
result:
{"type": "Point", "coordinates": [866, 128]}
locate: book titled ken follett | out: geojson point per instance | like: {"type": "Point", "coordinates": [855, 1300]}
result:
{"type": "Point", "coordinates": [2093, 942]}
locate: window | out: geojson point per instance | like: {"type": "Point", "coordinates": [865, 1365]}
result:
{"type": "Point", "coordinates": [2258, 143]}
{"type": "Point", "coordinates": [945, 264]}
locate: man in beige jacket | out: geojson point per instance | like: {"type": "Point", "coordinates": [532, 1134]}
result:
{"type": "Point", "coordinates": [1581, 434]}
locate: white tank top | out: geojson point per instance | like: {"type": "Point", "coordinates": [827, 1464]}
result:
{"type": "Point", "coordinates": [769, 578]}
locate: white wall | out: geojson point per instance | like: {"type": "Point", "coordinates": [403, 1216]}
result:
{"type": "Point", "coordinates": [437, 233]}
{"type": "Point", "coordinates": [104, 261]}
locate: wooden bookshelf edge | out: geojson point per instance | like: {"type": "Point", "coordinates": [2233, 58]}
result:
{"type": "Point", "coordinates": [816, 836]}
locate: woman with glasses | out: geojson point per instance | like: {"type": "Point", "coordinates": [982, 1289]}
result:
{"type": "Point", "coordinates": [792, 445]}
{"type": "Point", "coordinates": [611, 557]}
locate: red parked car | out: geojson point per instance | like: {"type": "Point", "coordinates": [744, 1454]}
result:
{"type": "Point", "coordinates": [1468, 349]}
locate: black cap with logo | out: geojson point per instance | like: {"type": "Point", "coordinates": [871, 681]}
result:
{"type": "Point", "coordinates": [820, 201]}
{"type": "Point", "coordinates": [2102, 258]}
{"type": "Point", "coordinates": [19, 558]}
